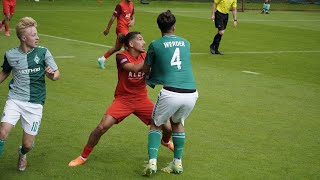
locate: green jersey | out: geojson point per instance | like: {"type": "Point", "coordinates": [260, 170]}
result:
{"type": "Point", "coordinates": [28, 71]}
{"type": "Point", "coordinates": [169, 59]}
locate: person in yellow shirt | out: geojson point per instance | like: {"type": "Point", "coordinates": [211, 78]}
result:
{"type": "Point", "coordinates": [220, 10]}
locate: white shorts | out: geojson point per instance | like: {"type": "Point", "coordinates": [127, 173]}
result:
{"type": "Point", "coordinates": [29, 113]}
{"type": "Point", "coordinates": [175, 105]}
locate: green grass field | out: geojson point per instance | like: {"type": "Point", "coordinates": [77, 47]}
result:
{"type": "Point", "coordinates": [244, 126]}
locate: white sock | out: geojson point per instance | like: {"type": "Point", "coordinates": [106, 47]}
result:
{"type": "Point", "coordinates": [83, 158]}
{"type": "Point", "coordinates": [177, 160]}
{"type": "Point", "coordinates": [153, 161]}
{"type": "Point", "coordinates": [103, 58]}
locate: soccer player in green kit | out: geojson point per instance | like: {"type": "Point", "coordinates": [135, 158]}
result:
{"type": "Point", "coordinates": [29, 63]}
{"type": "Point", "coordinates": [168, 63]}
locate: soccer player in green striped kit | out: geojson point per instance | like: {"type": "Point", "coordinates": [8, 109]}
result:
{"type": "Point", "coordinates": [168, 64]}
{"type": "Point", "coordinates": [29, 63]}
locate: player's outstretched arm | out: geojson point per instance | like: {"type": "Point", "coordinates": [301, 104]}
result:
{"type": "Point", "coordinates": [106, 31]}
{"type": "Point", "coordinates": [133, 67]}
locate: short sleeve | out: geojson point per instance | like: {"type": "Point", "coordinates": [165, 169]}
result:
{"type": "Point", "coordinates": [121, 59]}
{"type": "Point", "coordinates": [50, 61]}
{"type": "Point", "coordinates": [117, 11]}
{"type": "Point", "coordinates": [150, 55]}
{"type": "Point", "coordinates": [234, 5]}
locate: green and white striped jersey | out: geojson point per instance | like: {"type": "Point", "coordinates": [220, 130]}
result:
{"type": "Point", "coordinates": [169, 59]}
{"type": "Point", "coordinates": [28, 71]}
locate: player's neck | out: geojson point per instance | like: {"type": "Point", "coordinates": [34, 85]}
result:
{"type": "Point", "coordinates": [24, 48]}
{"type": "Point", "coordinates": [134, 53]}
{"type": "Point", "coordinates": [168, 34]}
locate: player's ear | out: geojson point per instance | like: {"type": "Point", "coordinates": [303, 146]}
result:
{"type": "Point", "coordinates": [23, 38]}
{"type": "Point", "coordinates": [131, 44]}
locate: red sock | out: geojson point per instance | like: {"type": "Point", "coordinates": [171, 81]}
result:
{"type": "Point", "coordinates": [86, 151]}
{"type": "Point", "coordinates": [6, 27]}
{"type": "Point", "coordinates": [166, 138]}
{"type": "Point", "coordinates": [106, 55]}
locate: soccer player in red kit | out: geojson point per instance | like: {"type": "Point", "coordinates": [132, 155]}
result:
{"type": "Point", "coordinates": [9, 7]}
{"type": "Point", "coordinates": [124, 13]}
{"type": "Point", "coordinates": [130, 97]}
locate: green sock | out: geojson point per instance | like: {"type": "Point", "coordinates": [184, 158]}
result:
{"type": "Point", "coordinates": [178, 141]}
{"type": "Point", "coordinates": [23, 150]}
{"type": "Point", "coordinates": [2, 146]}
{"type": "Point", "coordinates": [154, 138]}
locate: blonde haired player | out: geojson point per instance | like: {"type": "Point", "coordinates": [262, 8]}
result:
{"type": "Point", "coordinates": [29, 63]}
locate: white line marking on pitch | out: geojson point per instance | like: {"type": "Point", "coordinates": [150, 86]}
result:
{"type": "Point", "coordinates": [74, 40]}
{"type": "Point", "coordinates": [254, 52]}
{"type": "Point", "coordinates": [250, 72]}
{"type": "Point", "coordinates": [64, 57]}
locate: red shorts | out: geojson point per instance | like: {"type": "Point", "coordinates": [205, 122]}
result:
{"type": "Point", "coordinates": [122, 108]}
{"type": "Point", "coordinates": [9, 7]}
{"type": "Point", "coordinates": [121, 32]}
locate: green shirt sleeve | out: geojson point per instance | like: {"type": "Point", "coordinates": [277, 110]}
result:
{"type": "Point", "coordinates": [150, 55]}
{"type": "Point", "coordinates": [6, 66]}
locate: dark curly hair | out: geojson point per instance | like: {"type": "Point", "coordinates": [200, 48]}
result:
{"type": "Point", "coordinates": [165, 21]}
{"type": "Point", "coordinates": [127, 38]}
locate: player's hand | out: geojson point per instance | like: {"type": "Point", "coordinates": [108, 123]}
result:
{"type": "Point", "coordinates": [106, 32]}
{"type": "Point", "coordinates": [235, 24]}
{"type": "Point", "coordinates": [131, 23]}
{"type": "Point", "coordinates": [213, 17]}
{"type": "Point", "coordinates": [52, 74]}
{"type": "Point", "coordinates": [49, 70]}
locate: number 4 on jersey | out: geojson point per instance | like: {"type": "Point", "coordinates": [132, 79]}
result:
{"type": "Point", "coordinates": [175, 60]}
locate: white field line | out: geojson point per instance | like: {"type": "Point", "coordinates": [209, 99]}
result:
{"type": "Point", "coordinates": [249, 52]}
{"type": "Point", "coordinates": [64, 57]}
{"type": "Point", "coordinates": [250, 72]}
{"type": "Point", "coordinates": [74, 40]}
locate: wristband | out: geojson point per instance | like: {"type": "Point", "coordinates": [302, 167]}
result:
{"type": "Point", "coordinates": [235, 20]}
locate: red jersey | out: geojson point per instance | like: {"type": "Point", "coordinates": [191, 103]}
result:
{"type": "Point", "coordinates": [130, 84]}
{"type": "Point", "coordinates": [124, 11]}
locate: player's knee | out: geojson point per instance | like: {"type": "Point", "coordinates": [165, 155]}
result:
{"type": "Point", "coordinates": [3, 133]}
{"type": "Point", "coordinates": [101, 129]}
{"type": "Point", "coordinates": [8, 18]}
